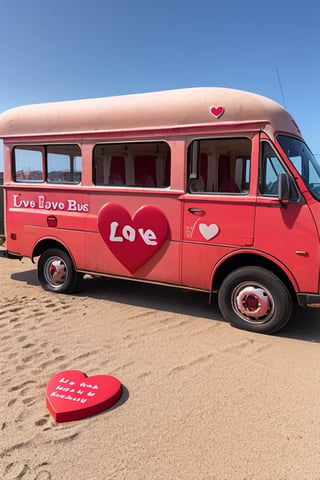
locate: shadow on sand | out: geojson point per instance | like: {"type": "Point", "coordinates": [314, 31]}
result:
{"type": "Point", "coordinates": [304, 324]}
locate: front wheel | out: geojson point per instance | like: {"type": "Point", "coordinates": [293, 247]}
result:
{"type": "Point", "coordinates": [255, 299]}
{"type": "Point", "coordinates": [56, 271]}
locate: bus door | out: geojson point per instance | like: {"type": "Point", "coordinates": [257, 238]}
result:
{"type": "Point", "coordinates": [218, 209]}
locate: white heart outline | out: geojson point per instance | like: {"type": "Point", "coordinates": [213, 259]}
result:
{"type": "Point", "coordinates": [209, 231]}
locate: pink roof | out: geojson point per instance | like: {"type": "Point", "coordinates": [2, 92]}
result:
{"type": "Point", "coordinates": [171, 108]}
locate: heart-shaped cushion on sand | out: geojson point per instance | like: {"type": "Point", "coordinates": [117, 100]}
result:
{"type": "Point", "coordinates": [72, 395]}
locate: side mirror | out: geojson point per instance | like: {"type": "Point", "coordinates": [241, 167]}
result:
{"type": "Point", "coordinates": [283, 187]}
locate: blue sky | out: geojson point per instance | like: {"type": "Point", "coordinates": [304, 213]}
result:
{"type": "Point", "coordinates": [68, 49]}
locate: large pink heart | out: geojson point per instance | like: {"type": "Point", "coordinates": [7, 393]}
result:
{"type": "Point", "coordinates": [71, 395]}
{"type": "Point", "coordinates": [132, 241]}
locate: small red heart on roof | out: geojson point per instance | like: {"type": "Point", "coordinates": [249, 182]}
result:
{"type": "Point", "coordinates": [217, 111]}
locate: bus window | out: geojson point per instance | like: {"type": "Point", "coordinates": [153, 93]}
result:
{"type": "Point", "coordinates": [219, 165]}
{"type": "Point", "coordinates": [270, 167]}
{"type": "Point", "coordinates": [28, 164]}
{"type": "Point", "coordinates": [63, 164]}
{"type": "Point", "coordinates": [304, 161]}
{"type": "Point", "coordinates": [144, 165]}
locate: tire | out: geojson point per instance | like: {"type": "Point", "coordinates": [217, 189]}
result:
{"type": "Point", "coordinates": [255, 299]}
{"type": "Point", "coordinates": [56, 272]}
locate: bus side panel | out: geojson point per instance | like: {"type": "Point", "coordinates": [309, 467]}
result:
{"type": "Point", "coordinates": [34, 215]}
{"type": "Point", "coordinates": [71, 218]}
{"type": "Point", "coordinates": [164, 264]}
{"type": "Point", "coordinates": [199, 262]}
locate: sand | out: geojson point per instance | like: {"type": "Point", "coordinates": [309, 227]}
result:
{"type": "Point", "coordinates": [201, 400]}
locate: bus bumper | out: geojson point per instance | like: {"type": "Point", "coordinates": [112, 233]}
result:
{"type": "Point", "coordinates": [310, 300]}
{"type": "Point", "coordinates": [6, 254]}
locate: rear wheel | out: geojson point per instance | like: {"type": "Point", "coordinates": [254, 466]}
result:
{"type": "Point", "coordinates": [56, 272]}
{"type": "Point", "coordinates": [255, 299]}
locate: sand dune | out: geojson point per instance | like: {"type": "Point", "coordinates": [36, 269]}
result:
{"type": "Point", "coordinates": [201, 400]}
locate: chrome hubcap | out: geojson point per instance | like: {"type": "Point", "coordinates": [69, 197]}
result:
{"type": "Point", "coordinates": [55, 271]}
{"type": "Point", "coordinates": [253, 302]}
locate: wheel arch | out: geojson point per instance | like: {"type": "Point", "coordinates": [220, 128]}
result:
{"type": "Point", "coordinates": [46, 244]}
{"type": "Point", "coordinates": [238, 260]}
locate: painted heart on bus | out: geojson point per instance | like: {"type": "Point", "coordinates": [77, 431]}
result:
{"type": "Point", "coordinates": [72, 395]}
{"type": "Point", "coordinates": [208, 231]}
{"type": "Point", "coordinates": [216, 111]}
{"type": "Point", "coordinates": [133, 241]}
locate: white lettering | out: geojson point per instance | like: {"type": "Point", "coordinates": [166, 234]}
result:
{"type": "Point", "coordinates": [72, 205]}
{"type": "Point", "coordinates": [41, 201]}
{"type": "Point", "coordinates": [148, 236]}
{"type": "Point", "coordinates": [113, 229]}
{"type": "Point", "coordinates": [88, 385]}
{"type": "Point", "coordinates": [129, 233]}
{"type": "Point", "coordinates": [51, 205]}
{"type": "Point", "coordinates": [16, 203]}
{"type": "Point", "coordinates": [68, 397]}
{"type": "Point", "coordinates": [62, 380]}
{"type": "Point", "coordinates": [64, 389]}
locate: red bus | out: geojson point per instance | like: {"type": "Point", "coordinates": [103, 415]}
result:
{"type": "Point", "coordinates": [208, 189]}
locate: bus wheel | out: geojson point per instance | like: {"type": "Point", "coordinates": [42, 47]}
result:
{"type": "Point", "coordinates": [253, 298]}
{"type": "Point", "coordinates": [56, 272]}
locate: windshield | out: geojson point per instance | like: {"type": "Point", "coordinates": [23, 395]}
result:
{"type": "Point", "coordinates": [304, 161]}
